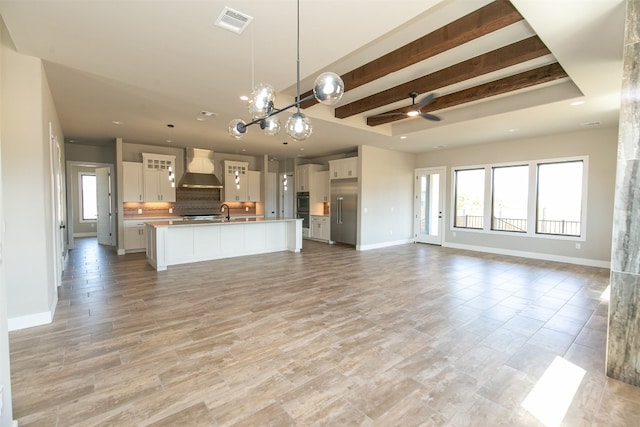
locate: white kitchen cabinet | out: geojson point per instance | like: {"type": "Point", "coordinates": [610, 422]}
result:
{"type": "Point", "coordinates": [236, 182]}
{"type": "Point", "coordinates": [155, 176]}
{"type": "Point", "coordinates": [319, 228]}
{"type": "Point", "coordinates": [134, 238]}
{"type": "Point", "coordinates": [304, 177]}
{"type": "Point", "coordinates": [132, 182]}
{"type": "Point", "coordinates": [344, 168]}
{"type": "Point", "coordinates": [321, 187]}
{"type": "Point", "coordinates": [253, 189]}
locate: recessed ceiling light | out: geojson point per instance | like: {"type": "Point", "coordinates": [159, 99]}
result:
{"type": "Point", "coordinates": [117, 122]}
{"type": "Point", "coordinates": [513, 130]}
{"type": "Point", "coordinates": [403, 137]}
{"type": "Point", "coordinates": [576, 103]}
{"type": "Point", "coordinates": [205, 115]}
{"type": "Point", "coordinates": [244, 149]}
{"type": "Point", "coordinates": [169, 141]}
{"type": "Point", "coordinates": [302, 149]}
{"type": "Point", "coordinates": [244, 98]}
{"type": "Point", "coordinates": [593, 123]}
{"type": "Point", "coordinates": [439, 146]}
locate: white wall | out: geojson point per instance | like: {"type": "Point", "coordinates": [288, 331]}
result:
{"type": "Point", "coordinates": [26, 165]}
{"type": "Point", "coordinates": [5, 372]}
{"type": "Point", "coordinates": [599, 144]}
{"type": "Point", "coordinates": [386, 197]}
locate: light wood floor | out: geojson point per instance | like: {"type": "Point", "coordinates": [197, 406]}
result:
{"type": "Point", "coordinates": [408, 335]}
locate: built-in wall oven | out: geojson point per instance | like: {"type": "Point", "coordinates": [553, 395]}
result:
{"type": "Point", "coordinates": [302, 207]}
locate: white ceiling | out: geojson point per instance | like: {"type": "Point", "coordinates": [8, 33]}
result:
{"type": "Point", "coordinates": [148, 63]}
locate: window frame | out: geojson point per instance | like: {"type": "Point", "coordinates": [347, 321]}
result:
{"type": "Point", "coordinates": [455, 197]}
{"type": "Point", "coordinates": [81, 217]}
{"type": "Point", "coordinates": [532, 199]}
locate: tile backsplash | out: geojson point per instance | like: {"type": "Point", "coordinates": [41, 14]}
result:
{"type": "Point", "coordinates": [189, 201]}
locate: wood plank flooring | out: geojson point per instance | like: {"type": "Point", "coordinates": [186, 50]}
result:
{"type": "Point", "coordinates": [403, 336]}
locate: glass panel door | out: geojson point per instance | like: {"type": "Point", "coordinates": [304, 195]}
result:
{"type": "Point", "coordinates": [429, 205]}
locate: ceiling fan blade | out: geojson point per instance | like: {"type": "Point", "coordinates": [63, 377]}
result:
{"type": "Point", "coordinates": [430, 117]}
{"type": "Point", "coordinates": [426, 101]}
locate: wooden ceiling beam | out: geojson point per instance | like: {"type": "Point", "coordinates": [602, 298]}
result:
{"type": "Point", "coordinates": [503, 57]}
{"type": "Point", "coordinates": [487, 19]}
{"type": "Point", "coordinates": [522, 80]}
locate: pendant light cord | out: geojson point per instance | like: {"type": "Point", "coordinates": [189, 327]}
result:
{"type": "Point", "coordinates": [298, 61]}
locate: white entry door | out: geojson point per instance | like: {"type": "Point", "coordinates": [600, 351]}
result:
{"type": "Point", "coordinates": [105, 216]}
{"type": "Point", "coordinates": [429, 205]}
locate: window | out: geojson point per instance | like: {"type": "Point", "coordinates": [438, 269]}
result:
{"type": "Point", "coordinates": [89, 199]}
{"type": "Point", "coordinates": [510, 194]}
{"type": "Point", "coordinates": [559, 203]}
{"type": "Point", "coordinates": [469, 197]}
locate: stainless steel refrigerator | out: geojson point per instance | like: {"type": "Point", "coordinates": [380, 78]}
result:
{"type": "Point", "coordinates": [344, 210]}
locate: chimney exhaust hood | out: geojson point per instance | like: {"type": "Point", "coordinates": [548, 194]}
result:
{"type": "Point", "coordinates": [199, 170]}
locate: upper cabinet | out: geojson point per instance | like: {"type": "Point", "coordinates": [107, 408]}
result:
{"type": "Point", "coordinates": [240, 184]}
{"type": "Point", "coordinates": [253, 188]}
{"type": "Point", "coordinates": [155, 176]}
{"type": "Point", "coordinates": [344, 168]}
{"type": "Point", "coordinates": [132, 182]}
{"type": "Point", "coordinates": [304, 177]}
{"type": "Point", "coordinates": [321, 187]}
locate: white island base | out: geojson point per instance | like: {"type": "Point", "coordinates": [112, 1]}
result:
{"type": "Point", "coordinates": [182, 242]}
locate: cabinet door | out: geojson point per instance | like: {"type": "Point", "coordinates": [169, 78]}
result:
{"type": "Point", "coordinates": [156, 170]}
{"type": "Point", "coordinates": [235, 192]}
{"type": "Point", "coordinates": [350, 167]}
{"type": "Point", "coordinates": [151, 186]}
{"type": "Point", "coordinates": [132, 182]}
{"type": "Point", "coordinates": [134, 238]}
{"type": "Point", "coordinates": [325, 230]}
{"type": "Point", "coordinates": [253, 193]}
{"type": "Point", "coordinates": [321, 187]}
{"type": "Point", "coordinates": [302, 178]}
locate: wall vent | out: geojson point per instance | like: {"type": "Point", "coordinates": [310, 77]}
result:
{"type": "Point", "coordinates": [233, 20]}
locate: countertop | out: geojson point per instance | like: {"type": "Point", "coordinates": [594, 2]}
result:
{"type": "Point", "coordinates": [221, 221]}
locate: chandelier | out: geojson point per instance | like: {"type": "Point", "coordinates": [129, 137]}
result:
{"type": "Point", "coordinates": [328, 89]}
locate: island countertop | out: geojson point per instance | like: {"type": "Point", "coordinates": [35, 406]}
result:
{"type": "Point", "coordinates": [182, 242]}
{"type": "Point", "coordinates": [221, 221]}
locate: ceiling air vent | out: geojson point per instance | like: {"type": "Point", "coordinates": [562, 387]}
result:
{"type": "Point", "coordinates": [233, 20]}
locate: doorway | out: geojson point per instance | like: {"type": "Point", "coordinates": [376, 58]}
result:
{"type": "Point", "coordinates": [76, 226]}
{"type": "Point", "coordinates": [429, 205]}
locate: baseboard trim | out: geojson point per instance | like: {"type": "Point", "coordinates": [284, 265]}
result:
{"type": "Point", "coordinates": [31, 320]}
{"type": "Point", "coordinates": [531, 255]}
{"type": "Point", "coordinates": [88, 234]}
{"type": "Point", "coordinates": [383, 244]}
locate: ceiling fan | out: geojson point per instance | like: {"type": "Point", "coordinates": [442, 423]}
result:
{"type": "Point", "coordinates": [417, 108]}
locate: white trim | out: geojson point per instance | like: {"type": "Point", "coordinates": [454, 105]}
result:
{"type": "Point", "coordinates": [384, 244]}
{"type": "Point", "coordinates": [531, 255]}
{"type": "Point", "coordinates": [31, 320]}
{"type": "Point", "coordinates": [121, 252]}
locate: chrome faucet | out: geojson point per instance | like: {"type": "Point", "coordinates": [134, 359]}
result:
{"type": "Point", "coordinates": [224, 205]}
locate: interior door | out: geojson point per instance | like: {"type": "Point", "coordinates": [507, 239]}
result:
{"type": "Point", "coordinates": [59, 220]}
{"type": "Point", "coordinates": [105, 215]}
{"type": "Point", "coordinates": [429, 205]}
{"type": "Point", "coordinates": [270, 207]}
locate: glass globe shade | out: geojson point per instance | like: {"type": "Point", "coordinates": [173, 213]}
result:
{"type": "Point", "coordinates": [233, 128]}
{"type": "Point", "coordinates": [261, 101]}
{"type": "Point", "coordinates": [271, 125]}
{"type": "Point", "coordinates": [328, 88]}
{"type": "Point", "coordinates": [298, 127]}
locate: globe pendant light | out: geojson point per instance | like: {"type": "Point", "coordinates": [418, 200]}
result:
{"type": "Point", "coordinates": [328, 89]}
{"type": "Point", "coordinates": [298, 127]}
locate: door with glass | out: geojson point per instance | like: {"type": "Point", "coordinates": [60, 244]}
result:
{"type": "Point", "coordinates": [429, 205]}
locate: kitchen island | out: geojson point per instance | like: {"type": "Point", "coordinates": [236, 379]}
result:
{"type": "Point", "coordinates": [182, 242]}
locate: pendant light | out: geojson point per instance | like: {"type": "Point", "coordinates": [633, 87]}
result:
{"type": "Point", "coordinates": [328, 89]}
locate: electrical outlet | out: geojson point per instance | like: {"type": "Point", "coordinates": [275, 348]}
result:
{"type": "Point", "coordinates": [246, 208]}
{"type": "Point", "coordinates": [139, 211]}
{"type": "Point", "coordinates": [578, 246]}
{"type": "Point", "coordinates": [170, 210]}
